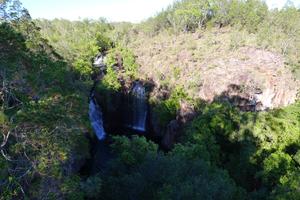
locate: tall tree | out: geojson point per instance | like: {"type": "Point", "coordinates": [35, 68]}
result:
{"type": "Point", "coordinates": [13, 10]}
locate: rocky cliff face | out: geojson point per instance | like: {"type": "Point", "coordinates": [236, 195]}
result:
{"type": "Point", "coordinates": [250, 78]}
{"type": "Point", "coordinates": [208, 67]}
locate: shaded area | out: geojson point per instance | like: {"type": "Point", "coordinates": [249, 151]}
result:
{"type": "Point", "coordinates": [43, 141]}
{"type": "Point", "coordinates": [249, 146]}
{"type": "Point", "coordinates": [135, 113]}
{"type": "Point", "coordinates": [126, 111]}
{"type": "Point", "coordinates": [244, 103]}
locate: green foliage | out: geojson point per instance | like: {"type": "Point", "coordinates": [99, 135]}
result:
{"type": "Point", "coordinates": [44, 106]}
{"type": "Point", "coordinates": [120, 64]}
{"type": "Point", "coordinates": [185, 15]}
{"type": "Point", "coordinates": [92, 186]}
{"type": "Point", "coordinates": [220, 149]}
{"type": "Point", "coordinates": [159, 176]}
{"type": "Point", "coordinates": [252, 146]}
{"type": "Point", "coordinates": [104, 43]}
{"type": "Point", "coordinates": [288, 187]}
{"type": "Point", "coordinates": [122, 58]}
{"type": "Point", "coordinates": [74, 188]}
{"type": "Point", "coordinates": [276, 165]}
{"type": "Point", "coordinates": [78, 42]}
{"type": "Point", "coordinates": [132, 152]}
{"type": "Point", "coordinates": [192, 14]}
{"type": "Point", "coordinates": [154, 25]}
{"type": "Point", "coordinates": [71, 188]}
{"type": "Point", "coordinates": [3, 118]}
{"type": "Point", "coordinates": [84, 67]}
{"type": "Point", "coordinates": [216, 122]}
{"type": "Point", "coordinates": [166, 109]}
{"type": "Point", "coordinates": [112, 58]}
{"type": "Point", "coordinates": [129, 63]}
{"type": "Point", "coordinates": [122, 33]}
{"type": "Point", "coordinates": [248, 14]}
{"type": "Point", "coordinates": [280, 31]}
{"type": "Point", "coordinates": [11, 190]}
{"type": "Point", "coordinates": [110, 81]}
{"type": "Point", "coordinates": [188, 15]}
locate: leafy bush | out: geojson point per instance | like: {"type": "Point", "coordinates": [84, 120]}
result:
{"type": "Point", "coordinates": [124, 58]}
{"type": "Point", "coordinates": [122, 33]}
{"type": "Point", "coordinates": [78, 42]}
{"type": "Point", "coordinates": [83, 67]}
{"type": "Point", "coordinates": [45, 112]}
{"type": "Point", "coordinates": [248, 14]}
{"type": "Point", "coordinates": [280, 32]}
{"type": "Point", "coordinates": [110, 80]}
{"type": "Point", "coordinates": [133, 152]}
{"type": "Point", "coordinates": [166, 109]}
{"type": "Point", "coordinates": [253, 147]}
{"type": "Point", "coordinates": [92, 186]}
{"type": "Point", "coordinates": [104, 43]}
{"type": "Point", "coordinates": [71, 188]}
{"type": "Point", "coordinates": [188, 15]}
{"type": "Point", "coordinates": [288, 187]}
{"type": "Point", "coordinates": [139, 172]}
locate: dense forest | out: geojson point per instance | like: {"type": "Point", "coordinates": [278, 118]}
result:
{"type": "Point", "coordinates": [197, 147]}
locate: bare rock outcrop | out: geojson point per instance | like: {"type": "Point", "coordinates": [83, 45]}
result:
{"type": "Point", "coordinates": [207, 66]}
{"type": "Point", "coordinates": [260, 81]}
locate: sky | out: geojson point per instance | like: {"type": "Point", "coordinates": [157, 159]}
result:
{"type": "Point", "coordinates": [113, 10]}
{"type": "Point", "coordinates": [281, 3]}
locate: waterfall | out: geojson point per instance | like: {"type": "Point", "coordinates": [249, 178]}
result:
{"type": "Point", "coordinates": [95, 116]}
{"type": "Point", "coordinates": [99, 61]}
{"type": "Point", "coordinates": [138, 108]}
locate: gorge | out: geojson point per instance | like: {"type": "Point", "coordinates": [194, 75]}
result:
{"type": "Point", "coordinates": [190, 104]}
{"type": "Point", "coordinates": [134, 112]}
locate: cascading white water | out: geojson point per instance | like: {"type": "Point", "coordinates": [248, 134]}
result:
{"type": "Point", "coordinates": [139, 108]}
{"type": "Point", "coordinates": [99, 61]}
{"type": "Point", "coordinates": [95, 116]}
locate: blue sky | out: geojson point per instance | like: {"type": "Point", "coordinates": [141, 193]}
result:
{"type": "Point", "coordinates": [113, 10]}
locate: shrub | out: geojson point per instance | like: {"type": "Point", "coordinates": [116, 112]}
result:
{"type": "Point", "coordinates": [122, 57]}
{"type": "Point", "coordinates": [83, 67]}
{"type": "Point", "coordinates": [103, 42]}
{"type": "Point", "coordinates": [71, 188]}
{"type": "Point", "coordinates": [92, 186]}
{"type": "Point", "coordinates": [139, 172]}
{"type": "Point", "coordinates": [166, 109]}
{"type": "Point", "coordinates": [111, 80]}
{"type": "Point", "coordinates": [129, 63]}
